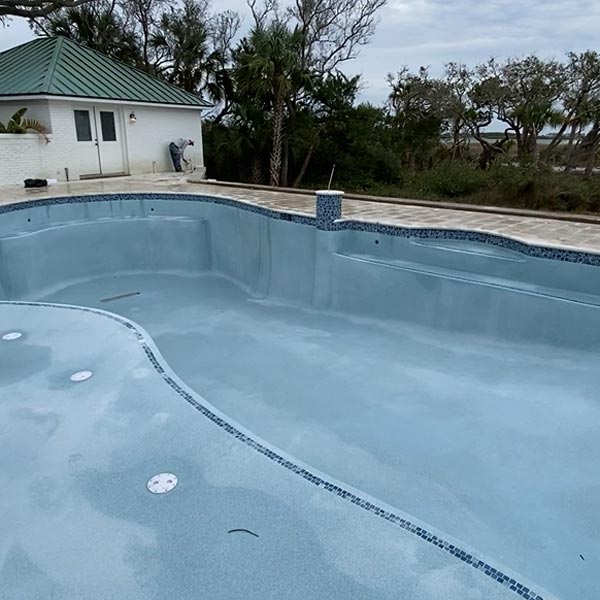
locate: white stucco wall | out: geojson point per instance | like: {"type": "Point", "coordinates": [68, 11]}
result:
{"type": "Point", "coordinates": [144, 144]}
{"type": "Point", "coordinates": [28, 155]}
{"type": "Point", "coordinates": [148, 138]}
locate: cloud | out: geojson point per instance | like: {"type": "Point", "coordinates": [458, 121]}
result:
{"type": "Point", "coordinates": [432, 32]}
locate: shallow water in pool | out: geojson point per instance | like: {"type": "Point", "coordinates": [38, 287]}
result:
{"type": "Point", "coordinates": [491, 442]}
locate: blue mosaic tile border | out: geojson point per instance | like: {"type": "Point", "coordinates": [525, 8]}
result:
{"type": "Point", "coordinates": [496, 574]}
{"type": "Point", "coordinates": [328, 209]}
{"type": "Point", "coordinates": [573, 256]}
{"type": "Point", "coordinates": [253, 208]}
{"type": "Point", "coordinates": [587, 258]}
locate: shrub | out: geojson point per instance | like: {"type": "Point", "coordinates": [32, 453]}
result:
{"type": "Point", "coordinates": [455, 180]}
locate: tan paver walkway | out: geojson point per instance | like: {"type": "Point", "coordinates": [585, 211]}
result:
{"type": "Point", "coordinates": [533, 230]}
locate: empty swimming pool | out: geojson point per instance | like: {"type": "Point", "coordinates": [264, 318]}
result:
{"type": "Point", "coordinates": [438, 389]}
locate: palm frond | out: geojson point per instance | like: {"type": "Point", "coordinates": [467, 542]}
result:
{"type": "Point", "coordinates": [17, 124]}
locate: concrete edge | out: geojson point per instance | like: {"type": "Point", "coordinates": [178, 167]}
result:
{"type": "Point", "coordinates": [494, 210]}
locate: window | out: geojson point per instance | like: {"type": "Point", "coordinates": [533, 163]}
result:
{"type": "Point", "coordinates": [107, 123]}
{"type": "Point", "coordinates": [83, 126]}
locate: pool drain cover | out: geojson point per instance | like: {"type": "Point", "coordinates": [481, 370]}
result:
{"type": "Point", "coordinates": [162, 483]}
{"type": "Point", "coordinates": [13, 335]}
{"type": "Point", "coordinates": [81, 376]}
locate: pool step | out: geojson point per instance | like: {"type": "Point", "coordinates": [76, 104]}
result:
{"type": "Point", "coordinates": [471, 248]}
{"type": "Point", "coordinates": [477, 279]}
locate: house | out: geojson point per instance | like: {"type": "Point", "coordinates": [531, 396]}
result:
{"type": "Point", "coordinates": [103, 118]}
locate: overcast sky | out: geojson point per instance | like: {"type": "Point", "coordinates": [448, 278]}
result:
{"type": "Point", "coordinates": [432, 32]}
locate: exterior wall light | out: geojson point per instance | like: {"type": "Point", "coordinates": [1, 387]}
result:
{"type": "Point", "coordinates": [132, 117]}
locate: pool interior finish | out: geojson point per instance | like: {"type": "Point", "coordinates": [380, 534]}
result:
{"type": "Point", "coordinates": [452, 380]}
{"type": "Point", "coordinates": [78, 522]}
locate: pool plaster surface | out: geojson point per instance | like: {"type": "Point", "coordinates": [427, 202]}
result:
{"type": "Point", "coordinates": [409, 580]}
{"type": "Point", "coordinates": [79, 523]}
{"type": "Point", "coordinates": [450, 428]}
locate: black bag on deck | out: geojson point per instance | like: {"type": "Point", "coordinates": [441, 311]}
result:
{"type": "Point", "coordinates": [35, 183]}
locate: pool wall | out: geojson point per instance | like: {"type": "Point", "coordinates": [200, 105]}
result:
{"type": "Point", "coordinates": [456, 281]}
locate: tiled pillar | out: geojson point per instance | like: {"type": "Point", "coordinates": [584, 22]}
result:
{"type": "Point", "coordinates": [329, 208]}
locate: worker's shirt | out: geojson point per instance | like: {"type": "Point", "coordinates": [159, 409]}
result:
{"type": "Point", "coordinates": [182, 144]}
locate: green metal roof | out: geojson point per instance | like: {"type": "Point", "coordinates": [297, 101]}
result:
{"type": "Point", "coordinates": [58, 66]}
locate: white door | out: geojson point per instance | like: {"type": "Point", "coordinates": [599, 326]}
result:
{"type": "Point", "coordinates": [99, 141]}
{"type": "Point", "coordinates": [110, 144]}
{"type": "Point", "coordinates": [87, 142]}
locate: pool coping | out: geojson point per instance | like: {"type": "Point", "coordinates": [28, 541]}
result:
{"type": "Point", "coordinates": [313, 476]}
{"type": "Point", "coordinates": [457, 206]}
{"type": "Point", "coordinates": [494, 239]}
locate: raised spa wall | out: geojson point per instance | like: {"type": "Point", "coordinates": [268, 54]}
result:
{"type": "Point", "coordinates": [454, 281]}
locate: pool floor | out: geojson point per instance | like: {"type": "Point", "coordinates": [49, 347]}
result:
{"type": "Point", "coordinates": [495, 444]}
{"type": "Point", "coordinates": [78, 523]}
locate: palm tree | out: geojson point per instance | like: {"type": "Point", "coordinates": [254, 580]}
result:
{"type": "Point", "coordinates": [184, 55]}
{"type": "Point", "coordinates": [270, 71]}
{"type": "Point", "coordinates": [96, 25]}
{"type": "Point", "coordinates": [533, 118]}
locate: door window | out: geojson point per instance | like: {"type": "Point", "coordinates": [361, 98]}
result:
{"type": "Point", "coordinates": [83, 126]}
{"type": "Point", "coordinates": [107, 124]}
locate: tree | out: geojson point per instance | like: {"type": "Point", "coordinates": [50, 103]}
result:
{"type": "Point", "coordinates": [360, 142]}
{"type": "Point", "coordinates": [187, 46]}
{"type": "Point", "coordinates": [522, 93]}
{"type": "Point", "coordinates": [31, 9]}
{"type": "Point", "coordinates": [239, 143]}
{"type": "Point", "coordinates": [458, 84]}
{"type": "Point", "coordinates": [418, 107]}
{"type": "Point", "coordinates": [181, 42]}
{"type": "Point", "coordinates": [470, 111]}
{"type": "Point", "coordinates": [223, 30]}
{"type": "Point", "coordinates": [590, 145]}
{"type": "Point", "coordinates": [97, 25]}
{"type": "Point", "coordinates": [269, 70]}
{"type": "Point", "coordinates": [193, 49]}
{"type": "Point", "coordinates": [330, 32]}
{"type": "Point", "coordinates": [580, 96]}
{"type": "Point", "coordinates": [142, 17]}
{"type": "Point", "coordinates": [333, 99]}
{"type": "Point", "coordinates": [333, 30]}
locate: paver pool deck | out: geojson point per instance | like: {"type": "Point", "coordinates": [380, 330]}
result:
{"type": "Point", "coordinates": [542, 229]}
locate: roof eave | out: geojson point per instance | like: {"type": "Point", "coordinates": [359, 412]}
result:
{"type": "Point", "coordinates": [201, 105]}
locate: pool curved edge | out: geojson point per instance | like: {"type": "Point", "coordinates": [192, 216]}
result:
{"type": "Point", "coordinates": [509, 580]}
{"type": "Point", "coordinates": [492, 239]}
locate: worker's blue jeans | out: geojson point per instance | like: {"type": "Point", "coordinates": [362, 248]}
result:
{"type": "Point", "coordinates": [175, 156]}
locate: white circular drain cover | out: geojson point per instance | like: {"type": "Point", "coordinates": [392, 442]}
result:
{"type": "Point", "coordinates": [81, 376]}
{"type": "Point", "coordinates": [162, 483]}
{"type": "Point", "coordinates": [13, 335]}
